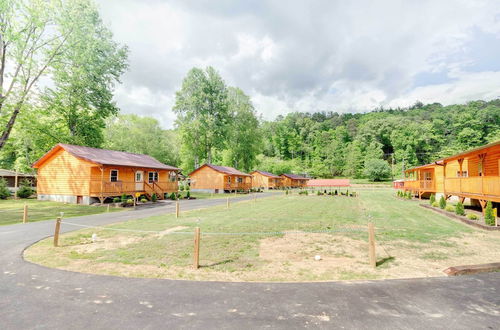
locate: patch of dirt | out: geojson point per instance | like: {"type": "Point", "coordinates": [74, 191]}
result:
{"type": "Point", "coordinates": [170, 230]}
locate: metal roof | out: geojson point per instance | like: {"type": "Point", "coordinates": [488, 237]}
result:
{"type": "Point", "coordinates": [269, 174]}
{"type": "Point", "coordinates": [4, 172]}
{"type": "Point", "coordinates": [222, 169]}
{"type": "Point", "coordinates": [108, 157]}
{"type": "Point", "coordinates": [294, 176]}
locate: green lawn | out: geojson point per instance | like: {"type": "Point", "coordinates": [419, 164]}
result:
{"type": "Point", "coordinates": [246, 242]}
{"type": "Point", "coordinates": [11, 211]}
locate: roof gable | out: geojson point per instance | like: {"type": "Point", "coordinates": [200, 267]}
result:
{"type": "Point", "coordinates": [106, 157]}
{"type": "Point", "coordinates": [221, 169]}
{"type": "Point", "coordinates": [268, 174]}
{"type": "Point", "coordinates": [294, 176]}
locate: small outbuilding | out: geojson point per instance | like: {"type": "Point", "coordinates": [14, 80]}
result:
{"type": "Point", "coordinates": [265, 180]}
{"type": "Point", "coordinates": [219, 179]}
{"type": "Point", "coordinates": [328, 183]}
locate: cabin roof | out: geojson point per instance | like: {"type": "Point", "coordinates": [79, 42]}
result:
{"type": "Point", "coordinates": [106, 157]}
{"type": "Point", "coordinates": [471, 151]}
{"type": "Point", "coordinates": [4, 172]}
{"type": "Point", "coordinates": [268, 174]}
{"type": "Point", "coordinates": [421, 167]}
{"type": "Point", "coordinates": [294, 176]}
{"type": "Point", "coordinates": [222, 169]}
{"type": "Point", "coordinates": [329, 183]}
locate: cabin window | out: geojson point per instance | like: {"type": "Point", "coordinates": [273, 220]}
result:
{"type": "Point", "coordinates": [240, 180]}
{"type": "Point", "coordinates": [462, 174]}
{"type": "Point", "coordinates": [113, 175]}
{"type": "Point", "coordinates": [152, 177]}
{"type": "Point", "coordinates": [228, 179]}
{"type": "Point", "coordinates": [172, 176]}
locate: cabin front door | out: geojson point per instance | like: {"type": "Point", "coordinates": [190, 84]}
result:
{"type": "Point", "coordinates": [139, 180]}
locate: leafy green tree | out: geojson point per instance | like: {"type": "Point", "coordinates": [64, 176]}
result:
{"type": "Point", "coordinates": [377, 169]}
{"type": "Point", "coordinates": [203, 115]}
{"type": "Point", "coordinates": [142, 135]}
{"type": "Point", "coordinates": [354, 160]}
{"type": "Point", "coordinates": [244, 137]}
{"type": "Point", "coordinates": [432, 199]}
{"type": "Point", "coordinates": [4, 191]}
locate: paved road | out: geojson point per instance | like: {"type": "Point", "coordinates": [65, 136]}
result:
{"type": "Point", "coordinates": [33, 296]}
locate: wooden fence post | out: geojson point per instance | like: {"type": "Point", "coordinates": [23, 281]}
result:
{"type": "Point", "coordinates": [227, 203]}
{"type": "Point", "coordinates": [196, 256]}
{"type": "Point", "coordinates": [371, 245]}
{"type": "Point", "coordinates": [107, 209]}
{"type": "Point", "coordinates": [56, 232]}
{"type": "Point", "coordinates": [25, 213]}
{"type": "Point", "coordinates": [176, 209]}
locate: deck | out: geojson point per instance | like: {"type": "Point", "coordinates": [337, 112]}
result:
{"type": "Point", "coordinates": [110, 189]}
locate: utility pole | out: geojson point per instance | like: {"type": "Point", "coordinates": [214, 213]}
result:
{"type": "Point", "coordinates": [392, 167]}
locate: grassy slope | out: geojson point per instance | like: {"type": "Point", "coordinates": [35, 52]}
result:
{"type": "Point", "coordinates": [396, 221]}
{"type": "Point", "coordinates": [11, 211]}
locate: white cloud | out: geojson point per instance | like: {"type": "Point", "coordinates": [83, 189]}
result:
{"type": "Point", "coordinates": [304, 56]}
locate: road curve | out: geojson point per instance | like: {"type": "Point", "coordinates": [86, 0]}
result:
{"type": "Point", "coordinates": [33, 296]}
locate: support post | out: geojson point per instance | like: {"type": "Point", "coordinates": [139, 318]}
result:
{"type": "Point", "coordinates": [56, 231]}
{"type": "Point", "coordinates": [25, 213]}
{"type": "Point", "coordinates": [176, 209]}
{"type": "Point", "coordinates": [371, 245]}
{"type": "Point", "coordinates": [196, 255]}
{"type": "Point", "coordinates": [107, 208]}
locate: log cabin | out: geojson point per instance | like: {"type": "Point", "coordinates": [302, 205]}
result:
{"type": "Point", "coordinates": [473, 174]}
{"type": "Point", "coordinates": [293, 181]}
{"type": "Point", "coordinates": [265, 180]}
{"type": "Point", "coordinates": [219, 179]}
{"type": "Point", "coordinates": [13, 179]}
{"type": "Point", "coordinates": [83, 175]}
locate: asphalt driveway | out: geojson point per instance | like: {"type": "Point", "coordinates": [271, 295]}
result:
{"type": "Point", "coordinates": [35, 297]}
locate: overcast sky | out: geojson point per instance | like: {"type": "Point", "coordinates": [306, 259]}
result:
{"type": "Point", "coordinates": [345, 56]}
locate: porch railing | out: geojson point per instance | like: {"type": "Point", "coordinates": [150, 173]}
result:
{"type": "Point", "coordinates": [479, 185]}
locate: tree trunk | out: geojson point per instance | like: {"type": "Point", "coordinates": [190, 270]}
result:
{"type": "Point", "coordinates": [8, 127]}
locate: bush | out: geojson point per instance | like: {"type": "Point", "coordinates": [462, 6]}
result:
{"type": "Point", "coordinates": [144, 200]}
{"type": "Point", "coordinates": [181, 187]}
{"type": "Point", "coordinates": [489, 217]}
{"type": "Point", "coordinates": [408, 195]}
{"type": "Point", "coordinates": [25, 189]}
{"type": "Point", "coordinates": [154, 198]}
{"type": "Point", "coordinates": [130, 201]}
{"type": "Point", "coordinates": [435, 204]}
{"type": "Point", "coordinates": [188, 195]}
{"type": "Point", "coordinates": [172, 196]}
{"type": "Point", "coordinates": [377, 169]}
{"type": "Point", "coordinates": [124, 198]}
{"type": "Point", "coordinates": [432, 199]}
{"type": "Point", "coordinates": [472, 216]}
{"type": "Point", "coordinates": [459, 208]}
{"type": "Point", "coordinates": [4, 191]}
{"type": "Point", "coordinates": [319, 193]}
{"type": "Point", "coordinates": [449, 208]}
{"type": "Point", "coordinates": [336, 192]}
{"type": "Point", "coordinates": [442, 203]}
{"type": "Point", "coordinates": [286, 192]}
{"type": "Point", "coordinates": [116, 200]}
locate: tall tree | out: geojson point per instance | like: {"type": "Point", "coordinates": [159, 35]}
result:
{"type": "Point", "coordinates": [203, 115]}
{"type": "Point", "coordinates": [244, 139]}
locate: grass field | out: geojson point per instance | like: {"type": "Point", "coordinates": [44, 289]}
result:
{"type": "Point", "coordinates": [247, 242]}
{"type": "Point", "coordinates": [11, 211]}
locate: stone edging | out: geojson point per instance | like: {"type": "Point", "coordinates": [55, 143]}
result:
{"type": "Point", "coordinates": [462, 219]}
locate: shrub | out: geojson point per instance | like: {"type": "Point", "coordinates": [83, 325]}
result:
{"type": "Point", "coordinates": [286, 192]}
{"type": "Point", "coordinates": [188, 194]}
{"type": "Point", "coordinates": [408, 195]}
{"type": "Point", "coordinates": [25, 189]}
{"type": "Point", "coordinates": [432, 199]}
{"type": "Point", "coordinates": [449, 208]}
{"type": "Point", "coordinates": [442, 203]}
{"type": "Point", "coordinates": [143, 200]}
{"type": "Point", "coordinates": [116, 200]}
{"type": "Point", "coordinates": [377, 169]}
{"type": "Point", "coordinates": [130, 201]}
{"type": "Point", "coordinates": [336, 192]}
{"type": "Point", "coordinates": [435, 204]}
{"type": "Point", "coordinates": [154, 198]}
{"type": "Point", "coordinates": [472, 216]}
{"type": "Point", "coordinates": [124, 198]}
{"type": "Point", "coordinates": [459, 208]}
{"type": "Point", "coordinates": [4, 191]}
{"type": "Point", "coordinates": [489, 217]}
{"type": "Point", "coordinates": [319, 193]}
{"type": "Point", "coordinates": [181, 187]}
{"type": "Point", "coordinates": [172, 196]}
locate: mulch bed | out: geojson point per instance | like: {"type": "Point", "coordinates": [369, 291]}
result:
{"type": "Point", "coordinates": [460, 218]}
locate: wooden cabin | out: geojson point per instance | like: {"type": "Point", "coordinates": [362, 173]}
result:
{"type": "Point", "coordinates": [265, 180]}
{"type": "Point", "coordinates": [424, 180]}
{"type": "Point", "coordinates": [82, 175]}
{"type": "Point", "coordinates": [13, 179]}
{"type": "Point", "coordinates": [293, 181]}
{"type": "Point", "coordinates": [219, 179]}
{"type": "Point", "coordinates": [472, 174]}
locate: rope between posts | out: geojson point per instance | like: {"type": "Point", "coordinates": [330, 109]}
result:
{"type": "Point", "coordinates": [346, 230]}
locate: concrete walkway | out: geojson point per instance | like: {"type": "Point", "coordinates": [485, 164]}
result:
{"type": "Point", "coordinates": [33, 296]}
